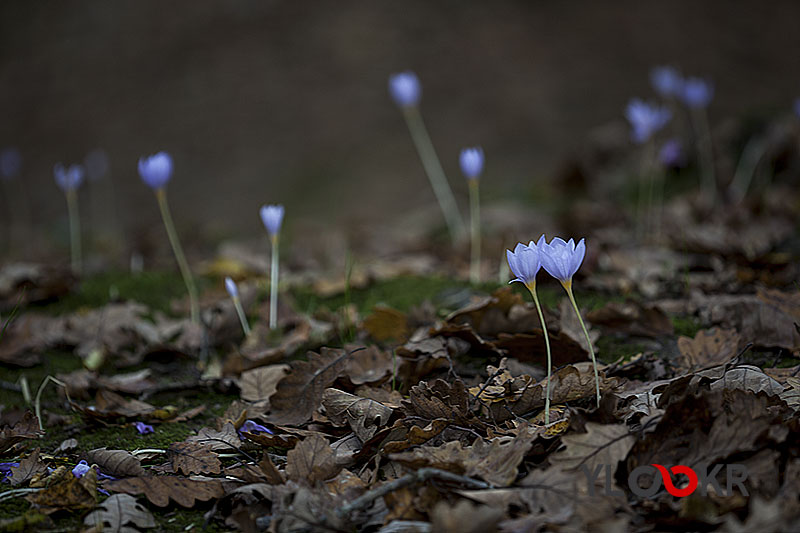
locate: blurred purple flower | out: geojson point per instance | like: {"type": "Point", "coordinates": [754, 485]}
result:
{"type": "Point", "coordinates": [471, 161]}
{"type": "Point", "coordinates": [156, 170]}
{"type": "Point", "coordinates": [231, 287]}
{"type": "Point", "coordinates": [405, 88]}
{"type": "Point", "coordinates": [10, 163]}
{"type": "Point", "coordinates": [143, 428]}
{"type": "Point", "coordinates": [250, 426]}
{"type": "Point", "coordinates": [70, 178]}
{"type": "Point", "coordinates": [5, 470]}
{"type": "Point", "coordinates": [671, 153]}
{"type": "Point", "coordinates": [646, 119]}
{"type": "Point", "coordinates": [97, 164]}
{"type": "Point", "coordinates": [272, 217]}
{"type": "Point", "coordinates": [666, 80]}
{"type": "Point", "coordinates": [81, 468]}
{"type": "Point", "coordinates": [797, 107]}
{"type": "Point", "coordinates": [525, 262]}
{"type": "Point", "coordinates": [562, 259]}
{"type": "Point", "coordinates": [697, 92]}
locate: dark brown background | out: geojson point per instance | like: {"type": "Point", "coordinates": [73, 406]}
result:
{"type": "Point", "coordinates": [266, 101]}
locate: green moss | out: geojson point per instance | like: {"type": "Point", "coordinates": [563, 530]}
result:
{"type": "Point", "coordinates": [686, 326]}
{"type": "Point", "coordinates": [611, 349]}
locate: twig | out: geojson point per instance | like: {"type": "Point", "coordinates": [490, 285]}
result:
{"type": "Point", "coordinates": [9, 494]}
{"type": "Point", "coordinates": [420, 476]}
{"type": "Point", "coordinates": [496, 373]}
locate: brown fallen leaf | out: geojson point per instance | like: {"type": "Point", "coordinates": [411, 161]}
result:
{"type": "Point", "coordinates": [68, 492]}
{"type": "Point", "coordinates": [632, 318]}
{"type": "Point", "coordinates": [450, 401]}
{"type": "Point", "coordinates": [708, 348]}
{"type": "Point", "coordinates": [26, 428]}
{"type": "Point", "coordinates": [364, 416]}
{"type": "Point", "coordinates": [28, 467]}
{"type": "Point", "coordinates": [311, 460]}
{"type": "Point", "coordinates": [299, 393]}
{"type": "Point", "coordinates": [117, 463]}
{"type": "Point", "coordinates": [602, 444]}
{"type": "Point", "coordinates": [261, 383]}
{"type": "Point", "coordinates": [117, 513]}
{"type": "Point", "coordinates": [224, 440]}
{"type": "Point", "coordinates": [465, 517]}
{"type": "Point", "coordinates": [161, 489]}
{"type": "Point", "coordinates": [386, 323]}
{"type": "Point", "coordinates": [369, 365]}
{"type": "Point", "coordinates": [193, 458]}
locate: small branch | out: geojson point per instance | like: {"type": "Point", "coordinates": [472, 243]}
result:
{"type": "Point", "coordinates": [420, 476]}
{"type": "Point", "coordinates": [10, 494]}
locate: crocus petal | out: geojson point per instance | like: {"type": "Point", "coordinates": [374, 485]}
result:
{"type": "Point", "coordinates": [577, 256]}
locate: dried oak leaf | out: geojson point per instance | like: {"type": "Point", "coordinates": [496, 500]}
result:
{"type": "Point", "coordinates": [402, 438]}
{"type": "Point", "coordinates": [26, 428]}
{"type": "Point", "coordinates": [260, 383]}
{"type": "Point", "coordinates": [68, 492]}
{"type": "Point", "coordinates": [117, 463]}
{"type": "Point", "coordinates": [450, 401]}
{"type": "Point", "coordinates": [708, 348]}
{"type": "Point", "coordinates": [370, 365]}
{"type": "Point", "coordinates": [111, 405]}
{"type": "Point", "coordinates": [226, 439]}
{"type": "Point", "coordinates": [602, 444]}
{"type": "Point", "coordinates": [363, 415]}
{"type": "Point", "coordinates": [119, 514]}
{"type": "Point", "coordinates": [386, 323]}
{"type": "Point", "coordinates": [193, 458]}
{"type": "Point", "coordinates": [299, 393]}
{"type": "Point", "coordinates": [632, 318]}
{"type": "Point", "coordinates": [28, 467]}
{"type": "Point", "coordinates": [311, 460]}
{"type": "Point", "coordinates": [160, 489]}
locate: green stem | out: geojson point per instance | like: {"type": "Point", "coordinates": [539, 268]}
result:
{"type": "Point", "coordinates": [475, 231]}
{"type": "Point", "coordinates": [273, 285]}
{"type": "Point", "coordinates": [705, 152]}
{"type": "Point", "coordinates": [568, 287]}
{"type": "Point", "coordinates": [532, 289]}
{"type": "Point", "coordinates": [74, 231]}
{"type": "Point", "coordinates": [436, 175]}
{"type": "Point", "coordinates": [237, 303]}
{"type": "Point", "coordinates": [191, 288]}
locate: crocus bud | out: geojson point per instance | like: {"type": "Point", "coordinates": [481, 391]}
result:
{"type": "Point", "coordinates": [156, 170]}
{"type": "Point", "coordinates": [645, 119]}
{"type": "Point", "coordinates": [231, 287]}
{"type": "Point", "coordinates": [697, 93]}
{"type": "Point", "coordinates": [471, 161]}
{"type": "Point", "coordinates": [68, 179]}
{"type": "Point", "coordinates": [272, 216]}
{"type": "Point", "coordinates": [405, 88]}
{"type": "Point", "coordinates": [666, 81]}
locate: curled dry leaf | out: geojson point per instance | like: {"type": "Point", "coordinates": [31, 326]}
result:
{"type": "Point", "coordinates": [224, 440]}
{"type": "Point", "coordinates": [369, 365]}
{"type": "Point", "coordinates": [708, 348]}
{"type": "Point", "coordinates": [632, 318]}
{"type": "Point", "coordinates": [118, 463]}
{"type": "Point", "coordinates": [161, 489]}
{"type": "Point", "coordinates": [363, 415]}
{"type": "Point", "coordinates": [67, 492]}
{"type": "Point", "coordinates": [311, 460]}
{"type": "Point", "coordinates": [117, 513]}
{"type": "Point", "coordinates": [299, 393]}
{"type": "Point", "coordinates": [26, 428]}
{"type": "Point", "coordinates": [193, 458]}
{"type": "Point", "coordinates": [28, 467]}
{"type": "Point", "coordinates": [602, 444]}
{"type": "Point", "coordinates": [261, 383]}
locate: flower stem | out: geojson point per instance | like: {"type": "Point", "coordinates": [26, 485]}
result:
{"type": "Point", "coordinates": [237, 303]}
{"type": "Point", "coordinates": [705, 152]}
{"type": "Point", "coordinates": [568, 287]}
{"type": "Point", "coordinates": [273, 284]}
{"type": "Point", "coordinates": [74, 231]}
{"type": "Point", "coordinates": [177, 250]}
{"type": "Point", "coordinates": [645, 180]}
{"type": "Point", "coordinates": [475, 231]}
{"type": "Point", "coordinates": [433, 168]}
{"type": "Point", "coordinates": [532, 289]}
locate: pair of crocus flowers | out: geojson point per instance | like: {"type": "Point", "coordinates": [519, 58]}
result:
{"type": "Point", "coordinates": [561, 260]}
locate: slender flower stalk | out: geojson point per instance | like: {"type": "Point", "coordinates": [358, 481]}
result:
{"type": "Point", "coordinates": [272, 217]}
{"type": "Point", "coordinates": [155, 172]}
{"type": "Point", "coordinates": [69, 180]}
{"type": "Point", "coordinates": [471, 161]}
{"type": "Point", "coordinates": [561, 260]}
{"type": "Point", "coordinates": [525, 262]}
{"type": "Point", "coordinates": [406, 91]}
{"type": "Point", "coordinates": [697, 94]}
{"type": "Point", "coordinates": [233, 291]}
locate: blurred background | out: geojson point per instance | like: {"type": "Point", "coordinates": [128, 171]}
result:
{"type": "Point", "coordinates": [286, 102]}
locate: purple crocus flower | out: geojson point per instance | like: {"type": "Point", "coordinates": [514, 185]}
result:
{"type": "Point", "coordinates": [646, 119]}
{"type": "Point", "coordinates": [697, 93]}
{"type": "Point", "coordinates": [156, 170]}
{"type": "Point", "coordinates": [5, 470]}
{"type": "Point", "coordinates": [471, 161]}
{"type": "Point", "coordinates": [525, 262]}
{"type": "Point", "coordinates": [671, 153]}
{"type": "Point", "coordinates": [81, 468]}
{"type": "Point", "coordinates": [143, 428]}
{"type": "Point", "coordinates": [405, 88]}
{"type": "Point", "coordinates": [666, 81]}
{"type": "Point", "coordinates": [272, 217]}
{"type": "Point", "coordinates": [97, 164]}
{"type": "Point", "coordinates": [68, 179]}
{"type": "Point", "coordinates": [231, 287]}
{"type": "Point", "coordinates": [251, 426]}
{"type": "Point", "coordinates": [797, 107]}
{"type": "Point", "coordinates": [10, 163]}
{"type": "Point", "coordinates": [562, 259]}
